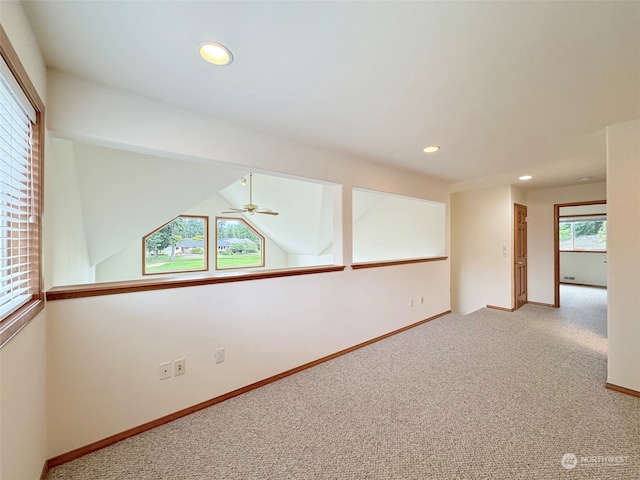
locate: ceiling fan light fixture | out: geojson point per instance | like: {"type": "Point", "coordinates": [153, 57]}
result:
{"type": "Point", "coordinates": [215, 53]}
{"type": "Point", "coordinates": [431, 149]}
{"type": "Point", "coordinates": [250, 208]}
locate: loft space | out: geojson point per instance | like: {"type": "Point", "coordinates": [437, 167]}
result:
{"type": "Point", "coordinates": [152, 190]}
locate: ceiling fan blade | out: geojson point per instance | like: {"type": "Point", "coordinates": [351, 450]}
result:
{"type": "Point", "coordinates": [266, 211]}
{"type": "Point", "coordinates": [235, 210]}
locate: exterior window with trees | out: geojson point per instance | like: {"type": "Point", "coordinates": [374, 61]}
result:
{"type": "Point", "coordinates": [178, 246]}
{"type": "Point", "coordinates": [239, 245]}
{"type": "Point", "coordinates": [583, 233]}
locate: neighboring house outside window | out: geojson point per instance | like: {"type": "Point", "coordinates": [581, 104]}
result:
{"type": "Point", "coordinates": [179, 246]}
{"type": "Point", "coordinates": [239, 245]}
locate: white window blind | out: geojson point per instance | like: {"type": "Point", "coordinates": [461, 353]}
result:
{"type": "Point", "coordinates": [16, 195]}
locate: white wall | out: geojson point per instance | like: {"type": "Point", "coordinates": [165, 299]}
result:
{"type": "Point", "coordinates": [67, 238]}
{"type": "Point", "coordinates": [481, 226]}
{"type": "Point", "coordinates": [623, 245]}
{"type": "Point", "coordinates": [587, 268]}
{"type": "Point", "coordinates": [23, 433]}
{"type": "Point", "coordinates": [540, 241]}
{"type": "Point", "coordinates": [23, 414]}
{"type": "Point", "coordinates": [104, 352]}
{"type": "Point", "coordinates": [392, 227]}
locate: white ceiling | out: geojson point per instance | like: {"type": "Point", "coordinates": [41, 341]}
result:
{"type": "Point", "coordinates": [506, 88]}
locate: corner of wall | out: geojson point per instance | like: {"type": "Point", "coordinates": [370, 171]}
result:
{"type": "Point", "coordinates": [623, 251]}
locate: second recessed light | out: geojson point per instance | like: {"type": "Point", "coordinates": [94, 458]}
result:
{"type": "Point", "coordinates": [525, 177]}
{"type": "Point", "coordinates": [431, 149]}
{"type": "Point", "coordinates": [215, 53]}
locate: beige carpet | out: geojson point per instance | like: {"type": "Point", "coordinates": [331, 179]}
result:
{"type": "Point", "coordinates": [490, 395]}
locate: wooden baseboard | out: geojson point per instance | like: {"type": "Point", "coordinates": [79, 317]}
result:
{"type": "Point", "coordinates": [628, 391]}
{"type": "Point", "coordinates": [504, 309]}
{"type": "Point", "coordinates": [540, 304]}
{"type": "Point", "coordinates": [45, 470]}
{"type": "Point", "coordinates": [79, 452]}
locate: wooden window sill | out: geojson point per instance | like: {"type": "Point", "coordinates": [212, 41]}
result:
{"type": "Point", "coordinates": [113, 288]}
{"type": "Point", "coordinates": [389, 263]}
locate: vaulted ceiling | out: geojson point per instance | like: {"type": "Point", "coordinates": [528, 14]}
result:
{"type": "Point", "coordinates": [505, 88]}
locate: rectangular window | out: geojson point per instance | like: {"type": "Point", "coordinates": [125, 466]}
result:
{"type": "Point", "coordinates": [177, 247]}
{"type": "Point", "coordinates": [586, 233]}
{"type": "Point", "coordinates": [21, 132]}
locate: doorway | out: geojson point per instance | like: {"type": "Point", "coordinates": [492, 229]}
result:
{"type": "Point", "coordinates": [520, 255]}
{"type": "Point", "coordinates": [556, 239]}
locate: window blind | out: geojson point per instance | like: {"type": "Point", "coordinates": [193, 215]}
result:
{"type": "Point", "coordinates": [16, 195]}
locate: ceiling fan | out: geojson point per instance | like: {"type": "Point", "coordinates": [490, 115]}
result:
{"type": "Point", "coordinates": [250, 208]}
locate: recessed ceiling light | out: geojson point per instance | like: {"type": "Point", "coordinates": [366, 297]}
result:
{"type": "Point", "coordinates": [525, 177]}
{"type": "Point", "coordinates": [215, 53]}
{"type": "Point", "coordinates": [585, 179]}
{"type": "Point", "coordinates": [431, 149]}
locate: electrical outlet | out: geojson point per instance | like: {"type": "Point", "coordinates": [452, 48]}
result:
{"type": "Point", "coordinates": [421, 300]}
{"type": "Point", "coordinates": [165, 370]}
{"type": "Point", "coordinates": [410, 302]}
{"type": "Point", "coordinates": [220, 355]}
{"type": "Point", "coordinates": [178, 367]}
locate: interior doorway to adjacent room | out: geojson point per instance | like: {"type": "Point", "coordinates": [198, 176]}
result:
{"type": "Point", "coordinates": [580, 251]}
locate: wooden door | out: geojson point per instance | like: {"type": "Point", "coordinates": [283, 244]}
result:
{"type": "Point", "coordinates": [520, 255]}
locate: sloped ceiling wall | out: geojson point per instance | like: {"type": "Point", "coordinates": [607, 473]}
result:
{"type": "Point", "coordinates": [305, 223]}
{"type": "Point", "coordinates": [125, 195]}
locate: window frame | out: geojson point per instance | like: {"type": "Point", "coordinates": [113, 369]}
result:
{"type": "Point", "coordinates": [571, 220]}
{"type": "Point", "coordinates": [15, 321]}
{"type": "Point", "coordinates": [263, 253]}
{"type": "Point", "coordinates": [205, 219]}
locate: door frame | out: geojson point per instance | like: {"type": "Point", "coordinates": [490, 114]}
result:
{"type": "Point", "coordinates": [515, 250]}
{"type": "Point", "coordinates": [556, 243]}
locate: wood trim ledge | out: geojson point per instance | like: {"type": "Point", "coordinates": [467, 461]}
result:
{"type": "Point", "coordinates": [79, 452]}
{"type": "Point", "coordinates": [113, 288]}
{"type": "Point", "coordinates": [628, 391]}
{"type": "Point", "coordinates": [389, 263]}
